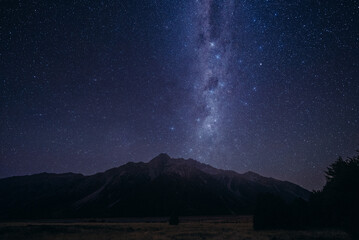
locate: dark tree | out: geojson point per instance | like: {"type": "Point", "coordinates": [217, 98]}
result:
{"type": "Point", "coordinates": [340, 195]}
{"type": "Point", "coordinates": [336, 206]}
{"type": "Point", "coordinates": [297, 217]}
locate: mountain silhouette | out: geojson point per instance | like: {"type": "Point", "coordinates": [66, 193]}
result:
{"type": "Point", "coordinates": [162, 187]}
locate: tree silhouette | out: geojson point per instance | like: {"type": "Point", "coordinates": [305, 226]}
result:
{"type": "Point", "coordinates": [336, 206]}
{"type": "Point", "coordinates": [340, 195]}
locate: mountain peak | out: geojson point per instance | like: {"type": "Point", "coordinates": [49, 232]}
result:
{"type": "Point", "coordinates": [141, 189]}
{"type": "Point", "coordinates": [161, 157]}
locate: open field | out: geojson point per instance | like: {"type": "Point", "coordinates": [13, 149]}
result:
{"type": "Point", "coordinates": [196, 228]}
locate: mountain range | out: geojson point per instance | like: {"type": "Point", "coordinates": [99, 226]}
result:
{"type": "Point", "coordinates": [164, 186]}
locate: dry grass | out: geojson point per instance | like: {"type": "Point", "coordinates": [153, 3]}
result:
{"type": "Point", "coordinates": [161, 231]}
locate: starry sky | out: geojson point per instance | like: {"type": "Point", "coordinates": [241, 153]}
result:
{"type": "Point", "coordinates": [269, 86]}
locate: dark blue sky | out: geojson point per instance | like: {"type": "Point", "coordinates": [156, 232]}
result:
{"type": "Point", "coordinates": [267, 86]}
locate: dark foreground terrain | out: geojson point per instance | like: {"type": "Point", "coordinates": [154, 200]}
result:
{"type": "Point", "coordinates": [239, 228]}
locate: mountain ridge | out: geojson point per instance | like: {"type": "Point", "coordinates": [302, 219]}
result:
{"type": "Point", "coordinates": [157, 188]}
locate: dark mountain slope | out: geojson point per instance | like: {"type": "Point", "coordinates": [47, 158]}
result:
{"type": "Point", "coordinates": [160, 187]}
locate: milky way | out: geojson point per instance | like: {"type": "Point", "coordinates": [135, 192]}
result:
{"type": "Point", "coordinates": [261, 85]}
{"type": "Point", "coordinates": [213, 77]}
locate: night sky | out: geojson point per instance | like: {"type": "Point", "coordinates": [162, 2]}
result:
{"type": "Point", "coordinates": [261, 85]}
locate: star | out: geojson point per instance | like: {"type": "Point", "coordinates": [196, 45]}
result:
{"type": "Point", "coordinates": [242, 83]}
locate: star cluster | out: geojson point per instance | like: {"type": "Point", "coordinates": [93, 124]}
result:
{"type": "Point", "coordinates": [263, 85]}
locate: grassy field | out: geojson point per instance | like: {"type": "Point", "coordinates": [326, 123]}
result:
{"type": "Point", "coordinates": [199, 229]}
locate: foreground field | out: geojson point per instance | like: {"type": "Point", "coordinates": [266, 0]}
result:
{"type": "Point", "coordinates": [240, 230]}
